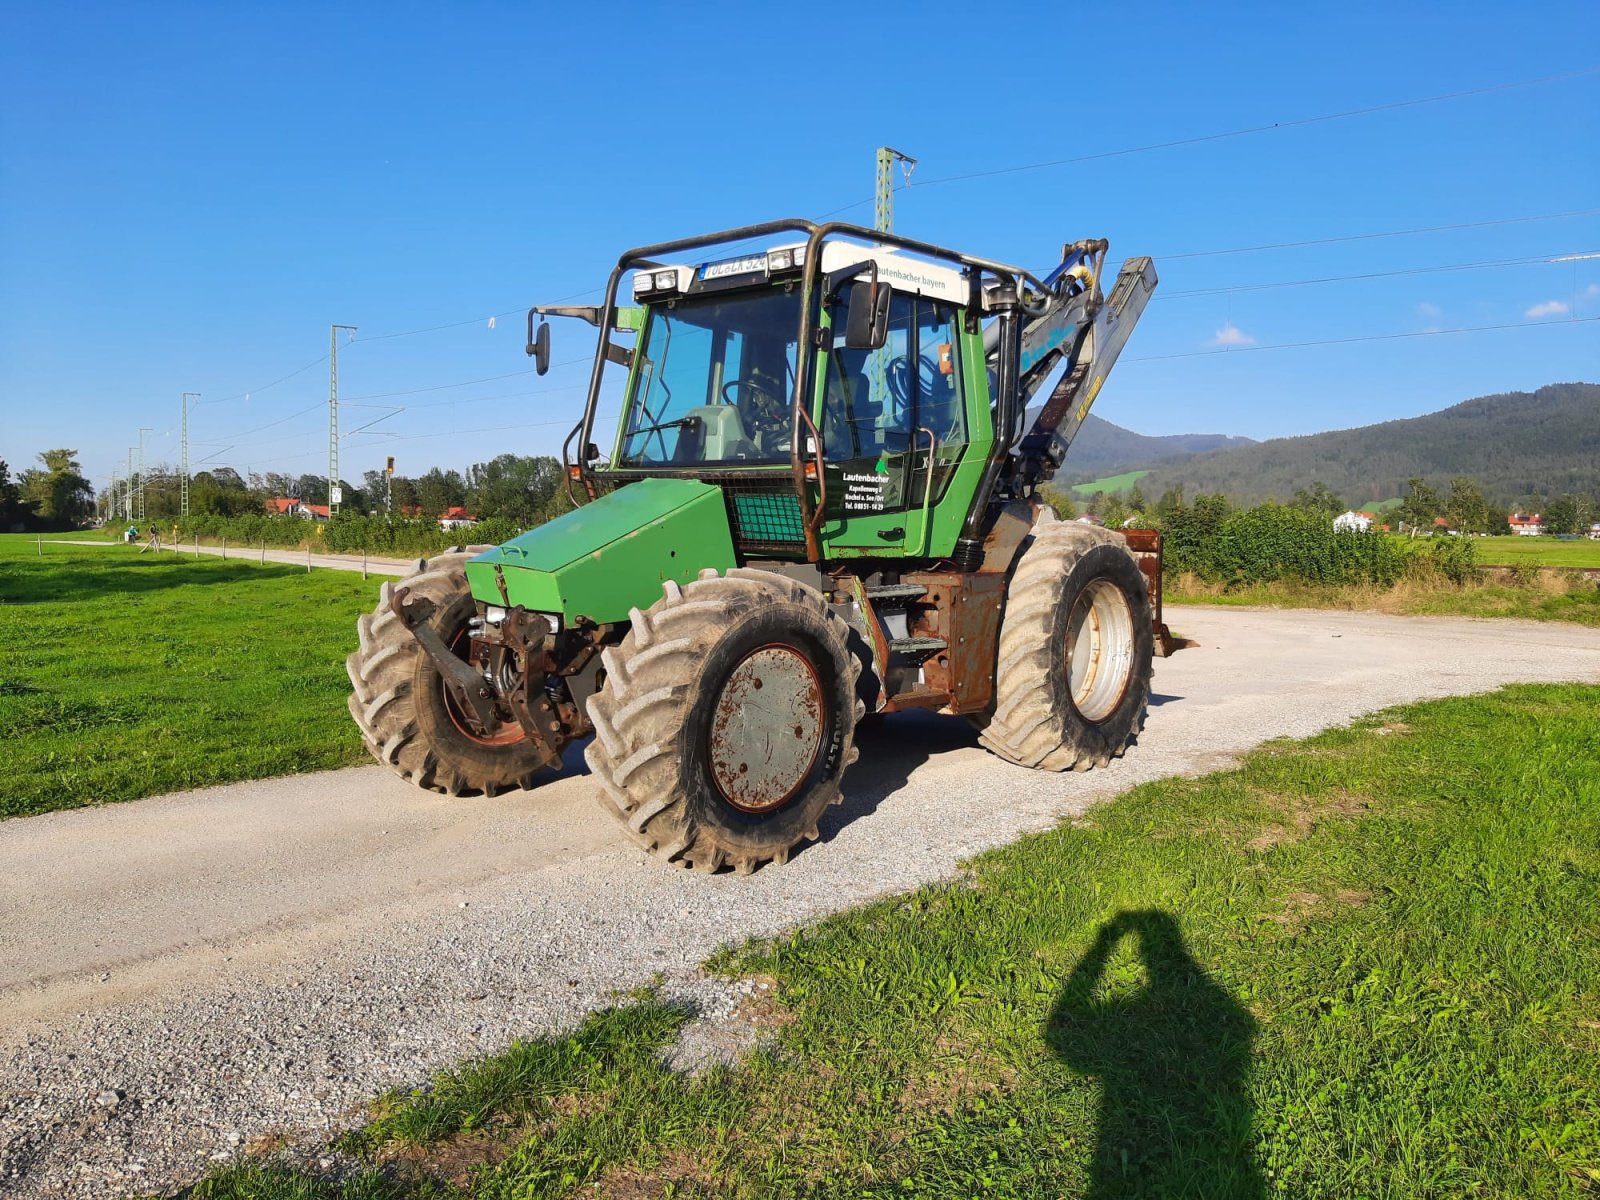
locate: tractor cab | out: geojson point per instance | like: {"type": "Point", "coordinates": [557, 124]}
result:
{"type": "Point", "coordinates": [834, 406]}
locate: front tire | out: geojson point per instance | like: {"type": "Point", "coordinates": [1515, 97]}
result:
{"type": "Point", "coordinates": [727, 720]}
{"type": "Point", "coordinates": [1072, 680]}
{"type": "Point", "coordinates": [407, 718]}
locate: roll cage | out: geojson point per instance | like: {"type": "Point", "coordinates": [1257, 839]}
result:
{"type": "Point", "coordinates": [994, 289]}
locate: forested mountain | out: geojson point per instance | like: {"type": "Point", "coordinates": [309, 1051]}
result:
{"type": "Point", "coordinates": [1541, 443]}
{"type": "Point", "coordinates": [1102, 448]}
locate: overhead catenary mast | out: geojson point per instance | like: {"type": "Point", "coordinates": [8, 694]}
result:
{"type": "Point", "coordinates": [183, 494]}
{"type": "Point", "coordinates": [139, 494]}
{"type": "Point", "coordinates": [883, 205]}
{"type": "Point", "coordinates": [335, 495]}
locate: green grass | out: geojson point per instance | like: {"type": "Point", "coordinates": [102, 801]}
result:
{"type": "Point", "coordinates": [1110, 483]}
{"type": "Point", "coordinates": [1543, 551]}
{"type": "Point", "coordinates": [1577, 602]}
{"type": "Point", "coordinates": [1363, 965]}
{"type": "Point", "coordinates": [125, 675]}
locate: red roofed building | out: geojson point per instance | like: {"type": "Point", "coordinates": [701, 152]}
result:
{"type": "Point", "coordinates": [288, 506]}
{"type": "Point", "coordinates": [1525, 525]}
{"type": "Point", "coordinates": [455, 517]}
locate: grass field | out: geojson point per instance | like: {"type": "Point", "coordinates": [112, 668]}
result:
{"type": "Point", "coordinates": [126, 675]}
{"type": "Point", "coordinates": [1363, 965]}
{"type": "Point", "coordinates": [1111, 483]}
{"type": "Point", "coordinates": [1542, 551]}
{"type": "Point", "coordinates": [1542, 599]}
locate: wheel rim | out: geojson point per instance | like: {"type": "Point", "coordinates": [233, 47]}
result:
{"type": "Point", "coordinates": [1099, 649]}
{"type": "Point", "coordinates": [503, 734]}
{"type": "Point", "coordinates": [766, 729]}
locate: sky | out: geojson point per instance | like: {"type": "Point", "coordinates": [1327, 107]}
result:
{"type": "Point", "coordinates": [190, 194]}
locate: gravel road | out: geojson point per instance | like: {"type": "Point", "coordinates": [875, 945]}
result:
{"type": "Point", "coordinates": [260, 554]}
{"type": "Point", "coordinates": [182, 975]}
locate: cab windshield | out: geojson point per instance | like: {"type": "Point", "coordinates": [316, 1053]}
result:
{"type": "Point", "coordinates": [713, 381]}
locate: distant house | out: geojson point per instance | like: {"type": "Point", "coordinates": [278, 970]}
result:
{"type": "Point", "coordinates": [1526, 525]}
{"type": "Point", "coordinates": [288, 506]}
{"type": "Point", "coordinates": [456, 517]}
{"type": "Point", "coordinates": [1359, 521]}
{"type": "Point", "coordinates": [1594, 531]}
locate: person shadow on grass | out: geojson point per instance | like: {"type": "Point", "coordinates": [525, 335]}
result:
{"type": "Point", "coordinates": [1172, 1058]}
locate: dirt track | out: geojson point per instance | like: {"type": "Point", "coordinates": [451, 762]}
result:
{"type": "Point", "coordinates": [263, 956]}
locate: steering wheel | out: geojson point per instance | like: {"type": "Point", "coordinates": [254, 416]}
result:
{"type": "Point", "coordinates": [900, 383]}
{"type": "Point", "coordinates": [759, 407]}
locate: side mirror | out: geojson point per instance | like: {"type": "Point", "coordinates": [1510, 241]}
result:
{"type": "Point", "coordinates": [539, 347]}
{"type": "Point", "coordinates": [591, 453]}
{"type": "Point", "coordinates": [866, 321]}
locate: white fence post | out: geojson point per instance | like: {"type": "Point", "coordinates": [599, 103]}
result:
{"type": "Point", "coordinates": [308, 558]}
{"type": "Point", "coordinates": [224, 549]}
{"type": "Point", "coordinates": [263, 552]}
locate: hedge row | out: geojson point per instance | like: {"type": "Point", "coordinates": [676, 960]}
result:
{"type": "Point", "coordinates": [1273, 543]}
{"type": "Point", "coordinates": [343, 535]}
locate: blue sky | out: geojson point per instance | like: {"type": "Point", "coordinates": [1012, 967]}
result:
{"type": "Point", "coordinates": [191, 194]}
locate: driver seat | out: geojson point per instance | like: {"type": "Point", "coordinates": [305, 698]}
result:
{"type": "Point", "coordinates": [722, 433]}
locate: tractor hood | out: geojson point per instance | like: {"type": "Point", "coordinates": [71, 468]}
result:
{"type": "Point", "coordinates": [611, 555]}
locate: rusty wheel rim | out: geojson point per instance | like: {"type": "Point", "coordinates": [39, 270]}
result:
{"type": "Point", "coordinates": [1099, 649]}
{"type": "Point", "coordinates": [766, 729]}
{"type": "Point", "coordinates": [506, 733]}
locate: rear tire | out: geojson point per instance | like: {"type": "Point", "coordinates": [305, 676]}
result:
{"type": "Point", "coordinates": [1072, 679]}
{"type": "Point", "coordinates": [727, 720]}
{"type": "Point", "coordinates": [399, 700]}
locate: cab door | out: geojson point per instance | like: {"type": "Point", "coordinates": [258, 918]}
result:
{"type": "Point", "coordinates": [893, 427]}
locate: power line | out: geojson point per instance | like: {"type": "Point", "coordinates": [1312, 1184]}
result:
{"type": "Point", "coordinates": [440, 387]}
{"type": "Point", "coordinates": [273, 424]}
{"type": "Point", "coordinates": [283, 379]}
{"type": "Point", "coordinates": [1387, 233]}
{"type": "Point", "coordinates": [1373, 337]}
{"type": "Point", "coordinates": [1245, 131]}
{"type": "Point", "coordinates": [1541, 259]}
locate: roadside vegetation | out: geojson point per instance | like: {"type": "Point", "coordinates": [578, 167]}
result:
{"type": "Point", "coordinates": [345, 534]}
{"type": "Point", "coordinates": [1365, 964]}
{"type": "Point", "coordinates": [125, 675]}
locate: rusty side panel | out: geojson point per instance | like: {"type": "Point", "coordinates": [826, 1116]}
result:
{"type": "Point", "coordinates": [1146, 547]}
{"type": "Point", "coordinates": [964, 610]}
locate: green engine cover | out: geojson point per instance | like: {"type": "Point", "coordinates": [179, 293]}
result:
{"type": "Point", "coordinates": [600, 560]}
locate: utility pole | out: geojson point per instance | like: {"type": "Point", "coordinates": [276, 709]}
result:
{"type": "Point", "coordinates": [334, 492]}
{"type": "Point", "coordinates": [140, 493]}
{"type": "Point", "coordinates": [183, 494]}
{"type": "Point", "coordinates": [883, 222]}
{"type": "Point", "coordinates": [883, 207]}
{"type": "Point", "coordinates": [129, 505]}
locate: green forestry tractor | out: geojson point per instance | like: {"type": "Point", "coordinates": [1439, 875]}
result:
{"type": "Point", "coordinates": [821, 502]}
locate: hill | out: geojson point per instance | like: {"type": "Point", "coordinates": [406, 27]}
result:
{"type": "Point", "coordinates": [1102, 448]}
{"type": "Point", "coordinates": [1541, 443]}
